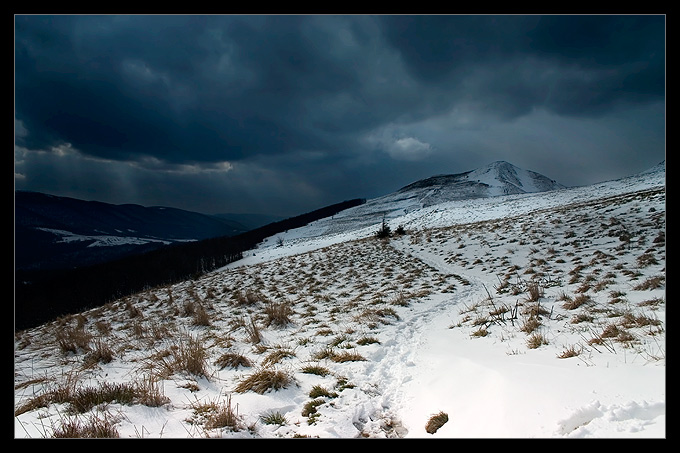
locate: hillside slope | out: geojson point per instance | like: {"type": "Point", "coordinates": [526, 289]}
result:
{"type": "Point", "coordinates": [476, 186]}
{"type": "Point", "coordinates": [537, 315]}
{"type": "Point", "coordinates": [63, 232]}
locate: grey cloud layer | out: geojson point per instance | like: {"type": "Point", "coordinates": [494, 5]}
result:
{"type": "Point", "coordinates": [299, 94]}
{"type": "Point", "coordinates": [210, 88]}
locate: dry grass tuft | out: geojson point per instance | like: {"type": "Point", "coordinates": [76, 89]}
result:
{"type": "Point", "coordinates": [264, 380]}
{"type": "Point", "coordinates": [278, 313]}
{"type": "Point", "coordinates": [436, 421]}
{"type": "Point", "coordinates": [94, 428]}
{"type": "Point", "coordinates": [347, 356]}
{"type": "Point", "coordinates": [232, 360]}
{"type": "Point", "coordinates": [574, 303]}
{"type": "Point", "coordinates": [316, 369]}
{"type": "Point", "coordinates": [536, 340]}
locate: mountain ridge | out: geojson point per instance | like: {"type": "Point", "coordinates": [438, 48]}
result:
{"type": "Point", "coordinates": [492, 180]}
{"type": "Point", "coordinates": [57, 232]}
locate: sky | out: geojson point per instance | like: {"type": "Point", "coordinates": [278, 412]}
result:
{"type": "Point", "coordinates": [284, 114]}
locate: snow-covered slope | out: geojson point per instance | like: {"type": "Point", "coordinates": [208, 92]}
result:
{"type": "Point", "coordinates": [406, 208]}
{"type": "Point", "coordinates": [494, 180]}
{"type": "Point", "coordinates": [528, 315]}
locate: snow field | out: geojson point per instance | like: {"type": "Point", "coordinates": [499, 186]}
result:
{"type": "Point", "coordinates": [437, 319]}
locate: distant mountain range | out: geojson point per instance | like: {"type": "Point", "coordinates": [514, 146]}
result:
{"type": "Point", "coordinates": [63, 232]}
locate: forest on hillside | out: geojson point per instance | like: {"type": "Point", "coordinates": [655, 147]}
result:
{"type": "Point", "coordinates": [41, 296]}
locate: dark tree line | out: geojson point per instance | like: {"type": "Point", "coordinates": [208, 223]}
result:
{"type": "Point", "coordinates": [42, 296]}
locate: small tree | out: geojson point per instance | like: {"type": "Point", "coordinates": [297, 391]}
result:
{"type": "Point", "coordinates": [384, 231]}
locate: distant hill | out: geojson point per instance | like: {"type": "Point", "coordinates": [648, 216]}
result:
{"type": "Point", "coordinates": [249, 221]}
{"type": "Point", "coordinates": [42, 294]}
{"type": "Point", "coordinates": [62, 232]}
{"type": "Point", "coordinates": [495, 179]}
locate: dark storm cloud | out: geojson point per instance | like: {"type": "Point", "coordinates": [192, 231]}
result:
{"type": "Point", "coordinates": [181, 88]}
{"type": "Point", "coordinates": [577, 65]}
{"type": "Point", "coordinates": [213, 102]}
{"type": "Point", "coordinates": [117, 87]}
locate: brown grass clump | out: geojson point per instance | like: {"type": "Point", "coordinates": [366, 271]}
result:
{"type": "Point", "coordinates": [570, 351]}
{"type": "Point", "coordinates": [481, 332]}
{"type": "Point", "coordinates": [574, 303]}
{"type": "Point", "coordinates": [347, 356]}
{"type": "Point", "coordinates": [534, 292]}
{"type": "Point", "coordinates": [216, 414]}
{"type": "Point", "coordinates": [83, 399]}
{"type": "Point", "coordinates": [264, 380]}
{"type": "Point", "coordinates": [651, 283]}
{"type": "Point", "coordinates": [316, 369]}
{"type": "Point", "coordinates": [530, 324]}
{"type": "Point", "coordinates": [535, 340]}
{"type": "Point", "coordinates": [436, 421]}
{"type": "Point", "coordinates": [276, 356]}
{"type": "Point", "coordinates": [232, 360]}
{"type": "Point", "coordinates": [73, 339]}
{"type": "Point", "coordinates": [93, 428]}
{"type": "Point", "coordinates": [224, 416]}
{"type": "Point", "coordinates": [278, 313]}
{"type": "Point", "coordinates": [187, 355]}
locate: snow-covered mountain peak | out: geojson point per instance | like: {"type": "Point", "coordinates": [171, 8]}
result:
{"type": "Point", "coordinates": [497, 178]}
